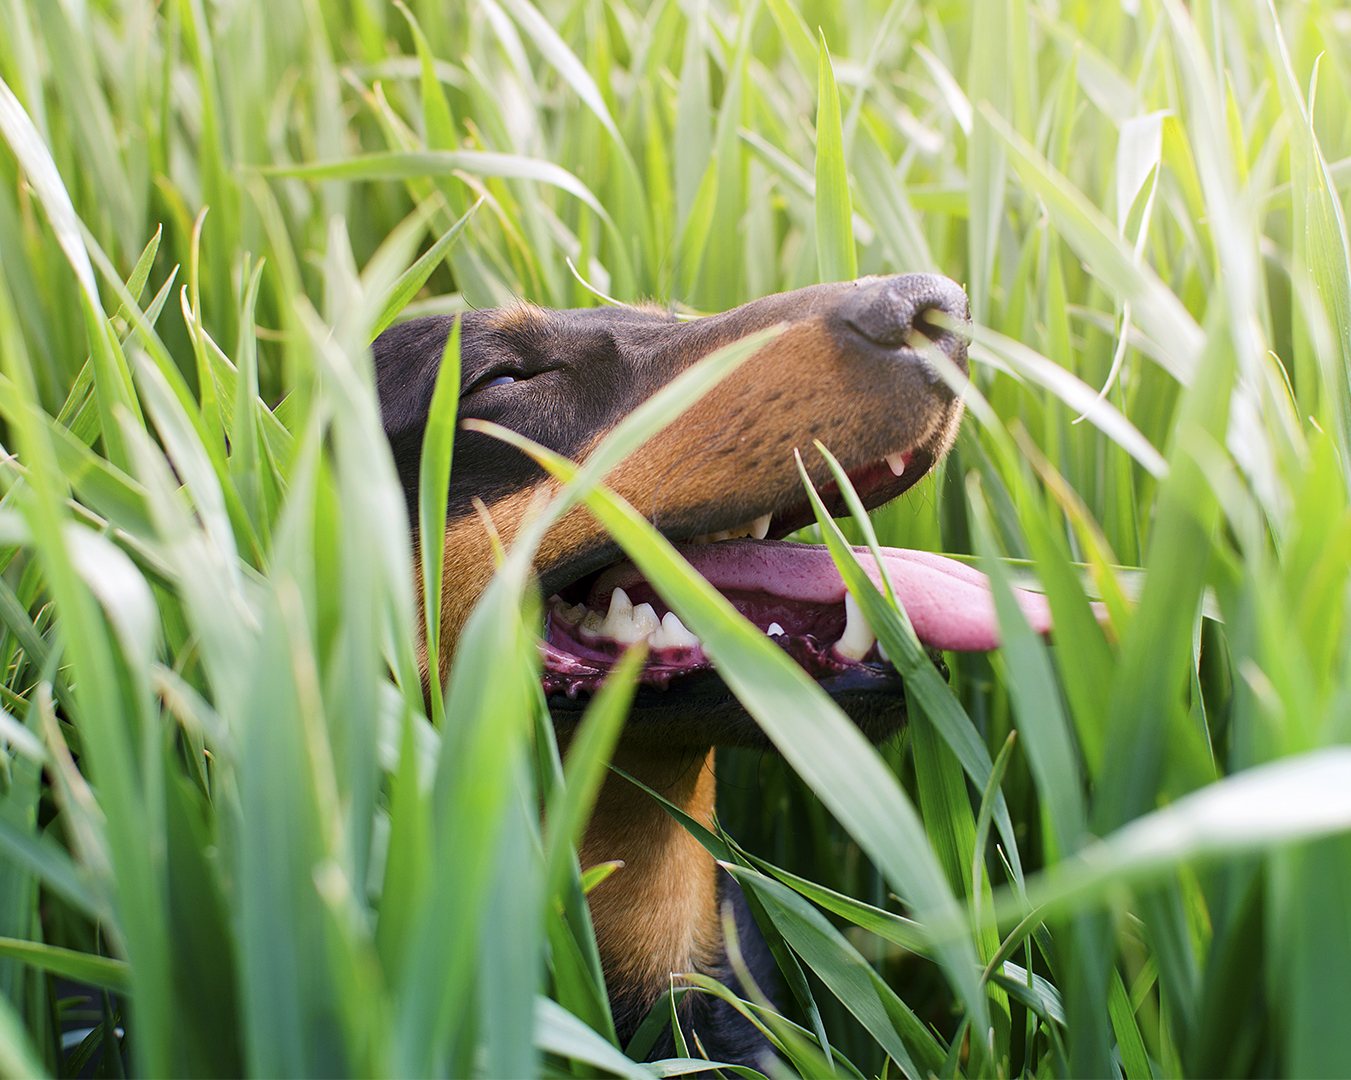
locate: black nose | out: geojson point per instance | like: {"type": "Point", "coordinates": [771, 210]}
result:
{"type": "Point", "coordinates": [889, 311]}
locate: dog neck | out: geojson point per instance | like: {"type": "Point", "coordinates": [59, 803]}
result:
{"type": "Point", "coordinates": [658, 914]}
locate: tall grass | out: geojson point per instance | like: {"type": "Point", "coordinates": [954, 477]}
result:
{"type": "Point", "coordinates": [1123, 853]}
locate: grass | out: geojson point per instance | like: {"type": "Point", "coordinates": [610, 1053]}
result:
{"type": "Point", "coordinates": [1123, 853]}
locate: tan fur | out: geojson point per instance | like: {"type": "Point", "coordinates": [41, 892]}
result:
{"type": "Point", "coordinates": [658, 914]}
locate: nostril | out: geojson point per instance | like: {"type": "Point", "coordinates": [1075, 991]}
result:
{"type": "Point", "coordinates": [914, 310]}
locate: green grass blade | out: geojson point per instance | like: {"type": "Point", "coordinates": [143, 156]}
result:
{"type": "Point", "coordinates": [835, 258]}
{"type": "Point", "coordinates": [434, 481]}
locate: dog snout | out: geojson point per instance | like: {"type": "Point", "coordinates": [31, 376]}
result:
{"type": "Point", "coordinates": [910, 313]}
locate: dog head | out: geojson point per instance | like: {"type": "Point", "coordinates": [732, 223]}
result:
{"type": "Point", "coordinates": [849, 369]}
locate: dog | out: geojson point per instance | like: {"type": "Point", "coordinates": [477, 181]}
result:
{"type": "Point", "coordinates": [849, 368]}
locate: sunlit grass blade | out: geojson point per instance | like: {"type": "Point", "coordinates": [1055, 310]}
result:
{"type": "Point", "coordinates": [1093, 238]}
{"type": "Point", "coordinates": [411, 280]}
{"type": "Point", "coordinates": [835, 258]}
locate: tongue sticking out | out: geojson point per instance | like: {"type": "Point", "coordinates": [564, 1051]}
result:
{"type": "Point", "coordinates": [949, 603]}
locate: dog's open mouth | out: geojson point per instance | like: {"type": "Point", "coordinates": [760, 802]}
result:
{"type": "Point", "coordinates": [791, 592]}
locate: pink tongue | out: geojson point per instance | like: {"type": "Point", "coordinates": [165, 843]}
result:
{"type": "Point", "coordinates": [949, 603]}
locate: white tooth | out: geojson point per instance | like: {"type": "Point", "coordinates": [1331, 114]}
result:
{"type": "Point", "coordinates": [592, 623]}
{"type": "Point", "coordinates": [621, 604]}
{"type": "Point", "coordinates": [721, 534]}
{"type": "Point", "coordinates": [858, 636]}
{"type": "Point", "coordinates": [775, 630]}
{"type": "Point", "coordinates": [760, 527]}
{"type": "Point", "coordinates": [645, 621]}
{"type": "Point", "coordinates": [881, 652]}
{"type": "Point", "coordinates": [896, 462]}
{"type": "Point", "coordinates": [619, 622]}
{"type": "Point", "coordinates": [673, 634]}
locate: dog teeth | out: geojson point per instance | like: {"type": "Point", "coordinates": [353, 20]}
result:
{"type": "Point", "coordinates": [896, 462]}
{"type": "Point", "coordinates": [759, 529]}
{"type": "Point", "coordinates": [570, 614]}
{"type": "Point", "coordinates": [672, 634]}
{"type": "Point", "coordinates": [775, 630]}
{"type": "Point", "coordinates": [627, 622]}
{"type": "Point", "coordinates": [858, 636]}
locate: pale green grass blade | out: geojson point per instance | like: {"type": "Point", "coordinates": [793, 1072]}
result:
{"type": "Point", "coordinates": [1322, 251]}
{"type": "Point", "coordinates": [1134, 1060]}
{"type": "Point", "coordinates": [1156, 655]}
{"type": "Point", "coordinates": [584, 767]}
{"type": "Point", "coordinates": [797, 36]}
{"type": "Point", "coordinates": [985, 162]}
{"type": "Point", "coordinates": [438, 441]}
{"type": "Point", "coordinates": [693, 129]}
{"type": "Point", "coordinates": [18, 1057]}
{"type": "Point", "coordinates": [398, 295]}
{"type": "Point", "coordinates": [1294, 799]}
{"type": "Point", "coordinates": [835, 257]}
{"type": "Point", "coordinates": [559, 1032]}
{"type": "Point", "coordinates": [132, 832]}
{"type": "Point", "coordinates": [1094, 240]}
{"type": "Point", "coordinates": [1080, 397]}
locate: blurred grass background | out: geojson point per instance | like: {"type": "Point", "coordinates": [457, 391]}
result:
{"type": "Point", "coordinates": [221, 799]}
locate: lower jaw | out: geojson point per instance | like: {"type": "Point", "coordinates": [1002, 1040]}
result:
{"type": "Point", "coordinates": [699, 710]}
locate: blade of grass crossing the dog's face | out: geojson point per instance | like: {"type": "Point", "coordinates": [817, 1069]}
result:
{"type": "Point", "coordinates": [809, 729]}
{"type": "Point", "coordinates": [646, 421]}
{"type": "Point", "coordinates": [892, 626]}
{"type": "Point", "coordinates": [438, 441]}
{"type": "Point", "coordinates": [835, 257]}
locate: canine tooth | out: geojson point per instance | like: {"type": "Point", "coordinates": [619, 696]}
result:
{"type": "Point", "coordinates": [620, 604]}
{"type": "Point", "coordinates": [858, 636]}
{"type": "Point", "coordinates": [760, 526]}
{"type": "Point", "coordinates": [775, 630]}
{"type": "Point", "coordinates": [673, 634]}
{"type": "Point", "coordinates": [896, 462]}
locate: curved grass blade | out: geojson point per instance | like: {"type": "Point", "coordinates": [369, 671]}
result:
{"type": "Point", "coordinates": [396, 297]}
